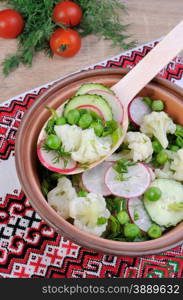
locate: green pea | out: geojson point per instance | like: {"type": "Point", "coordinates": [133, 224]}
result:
{"type": "Point", "coordinates": [73, 116]}
{"type": "Point", "coordinates": [174, 148]}
{"type": "Point", "coordinates": [154, 231]}
{"type": "Point", "coordinates": [153, 193]}
{"type": "Point", "coordinates": [53, 142]}
{"type": "Point", "coordinates": [162, 157]}
{"type": "Point", "coordinates": [157, 105]}
{"type": "Point", "coordinates": [123, 217]}
{"type": "Point", "coordinates": [131, 231]}
{"type": "Point", "coordinates": [85, 121]}
{"type": "Point", "coordinates": [179, 130]}
{"type": "Point", "coordinates": [157, 146]}
{"type": "Point", "coordinates": [61, 121]}
{"type": "Point", "coordinates": [101, 221]}
{"type": "Point", "coordinates": [82, 111]}
{"type": "Point", "coordinates": [179, 141]}
{"type": "Point", "coordinates": [82, 193]}
{"type": "Point", "coordinates": [147, 100]}
{"type": "Point", "coordinates": [98, 128]}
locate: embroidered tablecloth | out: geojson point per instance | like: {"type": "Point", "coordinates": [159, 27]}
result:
{"type": "Point", "coordinates": [29, 248]}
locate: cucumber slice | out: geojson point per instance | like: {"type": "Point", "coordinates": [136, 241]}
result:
{"type": "Point", "coordinates": [93, 179]}
{"type": "Point", "coordinates": [93, 100]}
{"type": "Point", "coordinates": [135, 183]}
{"type": "Point", "coordinates": [161, 211]}
{"type": "Point", "coordinates": [86, 87]}
{"type": "Point", "coordinates": [113, 102]}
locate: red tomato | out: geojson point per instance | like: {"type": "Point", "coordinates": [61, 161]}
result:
{"type": "Point", "coordinates": [67, 13]}
{"type": "Point", "coordinates": [65, 42]}
{"type": "Point", "coordinates": [11, 23]}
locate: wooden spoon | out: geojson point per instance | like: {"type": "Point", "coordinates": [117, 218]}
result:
{"type": "Point", "coordinates": [129, 86]}
{"type": "Point", "coordinates": [135, 80]}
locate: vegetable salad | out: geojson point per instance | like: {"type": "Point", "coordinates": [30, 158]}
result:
{"type": "Point", "coordinates": [136, 194]}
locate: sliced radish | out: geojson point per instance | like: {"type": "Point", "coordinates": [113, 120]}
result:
{"type": "Point", "coordinates": [46, 158]}
{"type": "Point", "coordinates": [151, 171]}
{"type": "Point", "coordinates": [114, 103]}
{"type": "Point", "coordinates": [138, 214]}
{"type": "Point", "coordinates": [137, 109]}
{"type": "Point", "coordinates": [93, 108]}
{"type": "Point", "coordinates": [135, 183]}
{"type": "Point", "coordinates": [93, 179]}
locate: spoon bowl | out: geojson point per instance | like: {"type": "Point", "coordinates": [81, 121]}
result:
{"type": "Point", "coordinates": [129, 86]}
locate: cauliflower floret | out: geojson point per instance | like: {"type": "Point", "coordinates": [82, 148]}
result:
{"type": "Point", "coordinates": [87, 210]}
{"type": "Point", "coordinates": [61, 195]}
{"type": "Point", "coordinates": [140, 145]}
{"type": "Point", "coordinates": [177, 166]}
{"type": "Point", "coordinates": [69, 135]}
{"type": "Point", "coordinates": [172, 169]}
{"type": "Point", "coordinates": [158, 124]}
{"type": "Point", "coordinates": [165, 172]}
{"type": "Point", "coordinates": [92, 148]}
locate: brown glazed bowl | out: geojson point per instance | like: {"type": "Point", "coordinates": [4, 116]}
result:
{"type": "Point", "coordinates": [27, 161]}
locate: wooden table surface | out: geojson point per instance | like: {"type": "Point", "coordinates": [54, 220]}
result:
{"type": "Point", "coordinates": [149, 20]}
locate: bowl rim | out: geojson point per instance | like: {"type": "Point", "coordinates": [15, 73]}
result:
{"type": "Point", "coordinates": [64, 227]}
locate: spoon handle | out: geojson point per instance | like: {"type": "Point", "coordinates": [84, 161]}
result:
{"type": "Point", "coordinates": [128, 87]}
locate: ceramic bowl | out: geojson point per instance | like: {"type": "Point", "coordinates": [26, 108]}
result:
{"type": "Point", "coordinates": [27, 161]}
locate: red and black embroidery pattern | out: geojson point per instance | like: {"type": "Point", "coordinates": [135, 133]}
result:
{"type": "Point", "coordinates": [29, 248]}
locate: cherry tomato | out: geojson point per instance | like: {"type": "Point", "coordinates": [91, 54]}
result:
{"type": "Point", "coordinates": [67, 13]}
{"type": "Point", "coordinates": [65, 42]}
{"type": "Point", "coordinates": [11, 23]}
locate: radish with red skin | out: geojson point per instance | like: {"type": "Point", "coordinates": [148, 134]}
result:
{"type": "Point", "coordinates": [151, 171]}
{"type": "Point", "coordinates": [138, 214]}
{"type": "Point", "coordinates": [46, 158]}
{"type": "Point", "coordinates": [113, 102]}
{"type": "Point", "coordinates": [135, 182]}
{"type": "Point", "coordinates": [93, 108]}
{"type": "Point", "coordinates": [137, 109]}
{"type": "Point", "coordinates": [93, 179]}
{"type": "Point", "coordinates": [153, 176]}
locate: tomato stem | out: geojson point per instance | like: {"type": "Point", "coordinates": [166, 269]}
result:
{"type": "Point", "coordinates": [63, 48]}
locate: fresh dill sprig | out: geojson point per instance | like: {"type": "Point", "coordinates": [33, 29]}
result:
{"type": "Point", "coordinates": [37, 31]}
{"type": "Point", "coordinates": [121, 166]}
{"type": "Point", "coordinates": [60, 153]}
{"type": "Point", "coordinates": [99, 18]}
{"type": "Point", "coordinates": [46, 148]}
{"type": "Point", "coordinates": [102, 18]}
{"type": "Point", "coordinates": [49, 129]}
